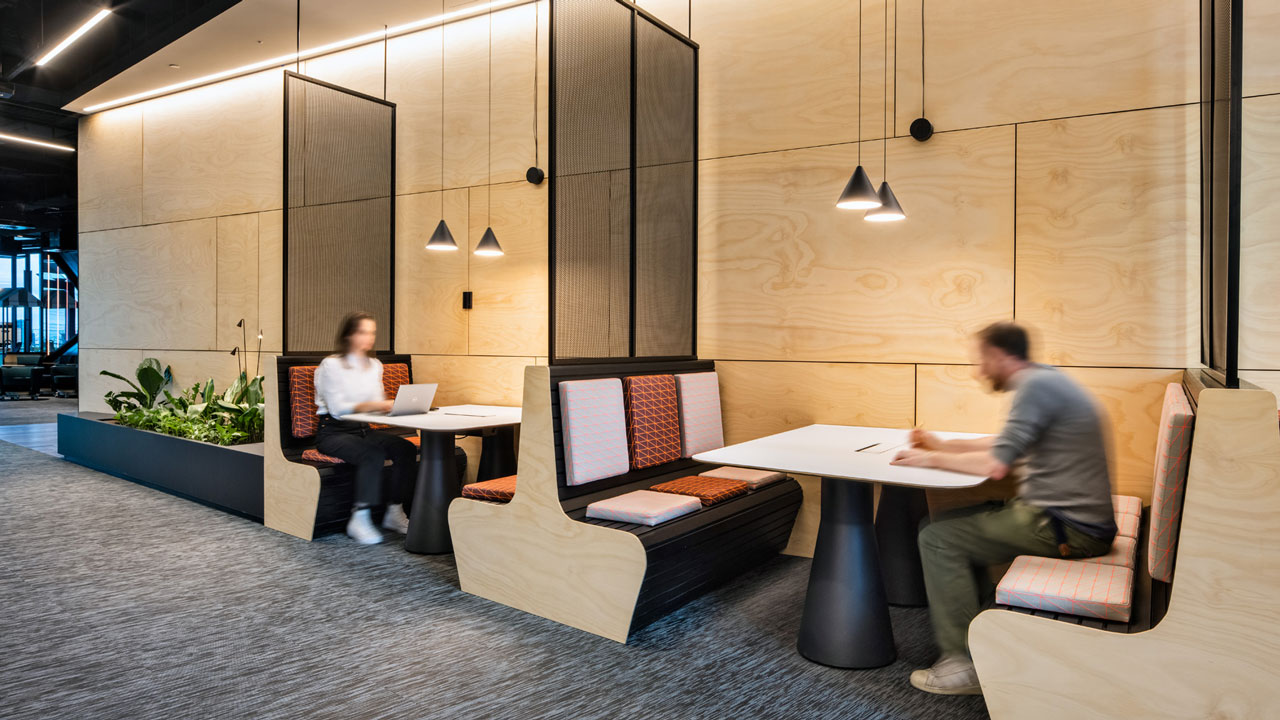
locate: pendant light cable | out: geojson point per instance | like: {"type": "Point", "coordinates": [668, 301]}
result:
{"type": "Point", "coordinates": [488, 195]}
{"type": "Point", "coordinates": [537, 12]}
{"type": "Point", "coordinates": [859, 83]}
{"type": "Point", "coordinates": [884, 167]}
{"type": "Point", "coordinates": [922, 112]}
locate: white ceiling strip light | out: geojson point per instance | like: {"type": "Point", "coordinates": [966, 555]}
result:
{"type": "Point", "coordinates": [86, 27]}
{"type": "Point", "coordinates": [29, 141]}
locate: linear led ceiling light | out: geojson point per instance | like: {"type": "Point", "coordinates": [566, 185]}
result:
{"type": "Point", "coordinates": [86, 27]}
{"type": "Point", "coordinates": [374, 36]}
{"type": "Point", "coordinates": [41, 143]}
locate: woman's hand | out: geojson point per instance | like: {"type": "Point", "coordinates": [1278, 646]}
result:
{"type": "Point", "coordinates": [384, 405]}
{"type": "Point", "coordinates": [925, 440]}
{"type": "Point", "coordinates": [914, 457]}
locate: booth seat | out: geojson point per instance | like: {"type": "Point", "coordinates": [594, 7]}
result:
{"type": "Point", "coordinates": [308, 493]}
{"type": "Point", "coordinates": [614, 525]}
{"type": "Point", "coordinates": [1103, 587]}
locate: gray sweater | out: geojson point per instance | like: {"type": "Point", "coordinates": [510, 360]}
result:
{"type": "Point", "coordinates": [1056, 425]}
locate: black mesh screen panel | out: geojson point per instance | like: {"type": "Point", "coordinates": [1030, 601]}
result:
{"type": "Point", "coordinates": [339, 213]}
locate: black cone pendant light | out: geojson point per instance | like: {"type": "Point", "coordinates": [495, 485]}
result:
{"type": "Point", "coordinates": [442, 238]}
{"type": "Point", "coordinates": [859, 193]}
{"type": "Point", "coordinates": [489, 242]}
{"type": "Point", "coordinates": [889, 209]}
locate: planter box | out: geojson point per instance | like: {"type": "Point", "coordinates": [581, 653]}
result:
{"type": "Point", "coordinates": [227, 478]}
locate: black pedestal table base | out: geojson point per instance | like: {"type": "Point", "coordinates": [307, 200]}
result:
{"type": "Point", "coordinates": [846, 618]}
{"type": "Point", "coordinates": [437, 487]}
{"type": "Point", "coordinates": [897, 526]}
{"type": "Point", "coordinates": [497, 453]}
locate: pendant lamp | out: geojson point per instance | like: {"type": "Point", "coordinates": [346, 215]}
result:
{"type": "Point", "coordinates": [489, 242]}
{"type": "Point", "coordinates": [859, 193]}
{"type": "Point", "coordinates": [889, 209]}
{"type": "Point", "coordinates": [442, 238]}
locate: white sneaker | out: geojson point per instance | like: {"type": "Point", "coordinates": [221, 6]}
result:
{"type": "Point", "coordinates": [395, 520]}
{"type": "Point", "coordinates": [951, 675]}
{"type": "Point", "coordinates": [360, 528]}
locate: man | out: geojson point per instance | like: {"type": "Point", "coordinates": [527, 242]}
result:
{"type": "Point", "coordinates": [1062, 509]}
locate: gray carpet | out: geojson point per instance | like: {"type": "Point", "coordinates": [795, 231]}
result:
{"type": "Point", "coordinates": [123, 602]}
{"type": "Point", "coordinates": [29, 412]}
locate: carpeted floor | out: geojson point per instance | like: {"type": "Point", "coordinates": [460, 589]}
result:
{"type": "Point", "coordinates": [123, 602]}
{"type": "Point", "coordinates": [30, 412]}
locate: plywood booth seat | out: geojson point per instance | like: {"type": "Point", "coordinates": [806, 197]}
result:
{"type": "Point", "coordinates": [609, 524]}
{"type": "Point", "coordinates": [307, 493]}
{"type": "Point", "coordinates": [1104, 591]}
{"type": "Point", "coordinates": [1215, 651]}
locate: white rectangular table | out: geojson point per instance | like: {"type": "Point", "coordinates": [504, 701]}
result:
{"type": "Point", "coordinates": [858, 565]}
{"type": "Point", "coordinates": [437, 483]}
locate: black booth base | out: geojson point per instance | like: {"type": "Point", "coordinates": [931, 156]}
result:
{"type": "Point", "coordinates": [226, 478]}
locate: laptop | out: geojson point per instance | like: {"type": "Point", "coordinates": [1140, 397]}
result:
{"type": "Point", "coordinates": [413, 400]}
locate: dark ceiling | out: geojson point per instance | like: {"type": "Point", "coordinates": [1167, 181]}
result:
{"type": "Point", "coordinates": [38, 185]}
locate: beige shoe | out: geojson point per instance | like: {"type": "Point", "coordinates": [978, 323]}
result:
{"type": "Point", "coordinates": [951, 675]}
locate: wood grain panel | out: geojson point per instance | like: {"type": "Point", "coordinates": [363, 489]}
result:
{"type": "Point", "coordinates": [290, 490]}
{"type": "Point", "coordinates": [509, 314]}
{"type": "Point", "coordinates": [466, 102]}
{"type": "Point", "coordinates": [238, 279]}
{"type": "Point", "coordinates": [1109, 237]}
{"type": "Point", "coordinates": [271, 278]}
{"type": "Point", "coordinates": [359, 68]}
{"type": "Point", "coordinates": [473, 380]}
{"type": "Point", "coordinates": [990, 62]}
{"type": "Point", "coordinates": [1260, 234]}
{"type": "Point", "coordinates": [109, 167]}
{"type": "Point", "coordinates": [785, 275]}
{"type": "Point", "coordinates": [785, 75]}
{"type": "Point", "coordinates": [672, 12]}
{"type": "Point", "coordinates": [429, 283]}
{"type": "Point", "coordinates": [191, 367]}
{"type": "Point", "coordinates": [1213, 654]}
{"type": "Point", "coordinates": [93, 385]}
{"type": "Point", "coordinates": [214, 150]}
{"type": "Point", "coordinates": [1261, 59]}
{"type": "Point", "coordinates": [1268, 380]}
{"type": "Point", "coordinates": [149, 287]}
{"type": "Point", "coordinates": [515, 93]}
{"type": "Point", "coordinates": [413, 84]}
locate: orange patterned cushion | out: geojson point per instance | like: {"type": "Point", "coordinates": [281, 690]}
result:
{"type": "Point", "coordinates": [707, 489]}
{"type": "Point", "coordinates": [497, 490]}
{"type": "Point", "coordinates": [315, 455]}
{"type": "Point", "coordinates": [393, 376]}
{"type": "Point", "coordinates": [653, 420]}
{"type": "Point", "coordinates": [302, 401]}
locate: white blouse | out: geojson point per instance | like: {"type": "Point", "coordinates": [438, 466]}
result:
{"type": "Point", "coordinates": [343, 383]}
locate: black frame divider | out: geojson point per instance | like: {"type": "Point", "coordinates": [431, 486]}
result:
{"type": "Point", "coordinates": [389, 330]}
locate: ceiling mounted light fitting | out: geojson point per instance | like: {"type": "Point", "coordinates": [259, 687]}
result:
{"type": "Point", "coordinates": [889, 209]}
{"type": "Point", "coordinates": [859, 193]}
{"type": "Point", "coordinates": [40, 143]}
{"type": "Point", "coordinates": [86, 27]}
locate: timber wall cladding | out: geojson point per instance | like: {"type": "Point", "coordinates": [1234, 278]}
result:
{"type": "Point", "coordinates": [181, 224]}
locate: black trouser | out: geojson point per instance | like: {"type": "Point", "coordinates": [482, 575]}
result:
{"type": "Point", "coordinates": [368, 450]}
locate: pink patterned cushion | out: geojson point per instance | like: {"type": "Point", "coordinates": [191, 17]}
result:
{"type": "Point", "coordinates": [1127, 525]}
{"type": "Point", "coordinates": [1173, 452]}
{"type": "Point", "coordinates": [1124, 553]}
{"type": "Point", "coordinates": [1127, 505]}
{"type": "Point", "coordinates": [643, 507]}
{"type": "Point", "coordinates": [754, 478]}
{"type": "Point", "coordinates": [700, 428]}
{"type": "Point", "coordinates": [1080, 588]}
{"type": "Point", "coordinates": [594, 430]}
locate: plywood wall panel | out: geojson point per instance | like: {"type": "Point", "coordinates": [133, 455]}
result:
{"type": "Point", "coordinates": [991, 62]}
{"type": "Point", "coordinates": [514, 93]}
{"type": "Point", "coordinates": [466, 106]}
{"type": "Point", "coordinates": [413, 83]}
{"type": "Point", "coordinates": [785, 75]}
{"type": "Point", "coordinates": [149, 287]}
{"type": "Point", "coordinates": [1109, 237]}
{"type": "Point", "coordinates": [478, 380]}
{"type": "Point", "coordinates": [1268, 380]}
{"type": "Point", "coordinates": [785, 275]}
{"type": "Point", "coordinates": [1260, 235]}
{"type": "Point", "coordinates": [509, 314]}
{"type": "Point", "coordinates": [951, 398]}
{"type": "Point", "coordinates": [359, 69]}
{"type": "Point", "coordinates": [214, 150]}
{"type": "Point", "coordinates": [430, 283]}
{"type": "Point", "coordinates": [672, 12]}
{"type": "Point", "coordinates": [109, 163]}
{"type": "Point", "coordinates": [93, 384]}
{"type": "Point", "coordinates": [271, 279]}
{"type": "Point", "coordinates": [1261, 59]}
{"type": "Point", "coordinates": [237, 281]}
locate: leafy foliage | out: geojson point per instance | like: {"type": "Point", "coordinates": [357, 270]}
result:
{"type": "Point", "coordinates": [232, 417]}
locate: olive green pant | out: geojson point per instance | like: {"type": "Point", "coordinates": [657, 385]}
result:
{"type": "Point", "coordinates": [958, 548]}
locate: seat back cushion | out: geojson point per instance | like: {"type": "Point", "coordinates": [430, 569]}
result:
{"type": "Point", "coordinates": [643, 507]}
{"type": "Point", "coordinates": [1124, 552]}
{"type": "Point", "coordinates": [707, 489]}
{"type": "Point", "coordinates": [393, 376]}
{"type": "Point", "coordinates": [700, 426]}
{"type": "Point", "coordinates": [1173, 453]}
{"type": "Point", "coordinates": [1127, 505]}
{"type": "Point", "coordinates": [754, 478]}
{"type": "Point", "coordinates": [302, 401]}
{"type": "Point", "coordinates": [653, 420]}
{"type": "Point", "coordinates": [1068, 586]}
{"type": "Point", "coordinates": [594, 430]}
{"type": "Point", "coordinates": [496, 490]}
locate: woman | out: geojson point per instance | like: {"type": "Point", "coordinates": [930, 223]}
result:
{"type": "Point", "coordinates": [347, 382]}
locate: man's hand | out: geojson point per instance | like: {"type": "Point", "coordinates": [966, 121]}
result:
{"type": "Point", "coordinates": [925, 440]}
{"type": "Point", "coordinates": [914, 457]}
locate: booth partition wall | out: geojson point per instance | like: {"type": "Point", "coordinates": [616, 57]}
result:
{"type": "Point", "coordinates": [623, 233]}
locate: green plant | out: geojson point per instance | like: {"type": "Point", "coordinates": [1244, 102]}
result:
{"type": "Point", "coordinates": [232, 417]}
